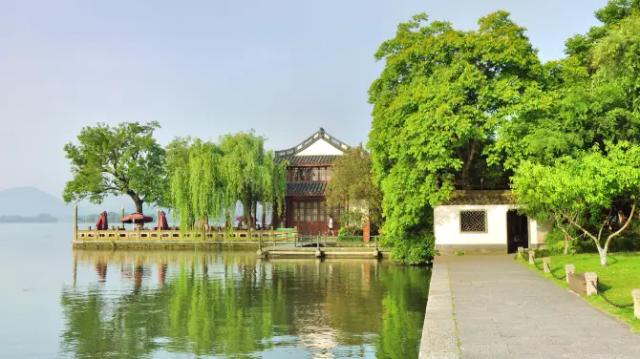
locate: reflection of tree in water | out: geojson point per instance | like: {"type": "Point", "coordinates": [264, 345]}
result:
{"type": "Point", "coordinates": [404, 302]}
{"type": "Point", "coordinates": [233, 306]}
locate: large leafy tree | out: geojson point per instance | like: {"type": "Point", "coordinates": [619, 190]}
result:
{"type": "Point", "coordinates": [437, 106]}
{"type": "Point", "coordinates": [116, 160]}
{"type": "Point", "coordinates": [583, 100]}
{"type": "Point", "coordinates": [596, 193]}
{"type": "Point", "coordinates": [351, 185]}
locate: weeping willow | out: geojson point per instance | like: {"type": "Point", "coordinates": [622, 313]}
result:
{"type": "Point", "coordinates": [179, 189]}
{"type": "Point", "coordinates": [207, 181]}
{"type": "Point", "coordinates": [195, 183]}
{"type": "Point", "coordinates": [248, 172]}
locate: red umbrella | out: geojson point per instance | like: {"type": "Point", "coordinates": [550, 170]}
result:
{"type": "Point", "coordinates": [137, 218]}
{"type": "Point", "coordinates": [162, 221]}
{"type": "Point", "coordinates": [103, 223]}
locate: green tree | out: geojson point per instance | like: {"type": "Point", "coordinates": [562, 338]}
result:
{"type": "Point", "coordinates": [196, 186]}
{"type": "Point", "coordinates": [583, 100]}
{"type": "Point", "coordinates": [120, 160]}
{"type": "Point", "coordinates": [248, 172]}
{"type": "Point", "coordinates": [596, 193]}
{"type": "Point", "coordinates": [275, 198]}
{"type": "Point", "coordinates": [438, 103]}
{"type": "Point", "coordinates": [351, 185]}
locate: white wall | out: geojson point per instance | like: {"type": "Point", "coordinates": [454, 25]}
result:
{"type": "Point", "coordinates": [320, 147]}
{"type": "Point", "coordinates": [447, 225]}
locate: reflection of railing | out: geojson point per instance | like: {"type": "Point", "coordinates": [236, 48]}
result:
{"type": "Point", "coordinates": [89, 235]}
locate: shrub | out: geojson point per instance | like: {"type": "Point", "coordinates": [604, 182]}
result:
{"type": "Point", "coordinates": [349, 231]}
{"type": "Point", "coordinates": [416, 250]}
{"type": "Point", "coordinates": [554, 242]}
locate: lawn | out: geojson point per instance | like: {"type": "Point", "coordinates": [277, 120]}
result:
{"type": "Point", "coordinates": [616, 281]}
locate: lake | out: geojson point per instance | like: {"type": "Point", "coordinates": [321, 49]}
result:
{"type": "Point", "coordinates": [57, 302]}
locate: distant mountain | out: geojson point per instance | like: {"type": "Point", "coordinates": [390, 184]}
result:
{"type": "Point", "coordinates": [30, 201]}
{"type": "Point", "coordinates": [41, 218]}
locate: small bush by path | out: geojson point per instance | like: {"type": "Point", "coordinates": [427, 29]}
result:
{"type": "Point", "coordinates": [616, 281]}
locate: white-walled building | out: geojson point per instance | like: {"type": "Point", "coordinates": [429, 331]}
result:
{"type": "Point", "coordinates": [484, 221]}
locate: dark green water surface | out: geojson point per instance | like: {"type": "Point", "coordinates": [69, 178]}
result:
{"type": "Point", "coordinates": [168, 304]}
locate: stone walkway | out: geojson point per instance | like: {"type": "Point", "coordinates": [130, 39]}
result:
{"type": "Point", "coordinates": [494, 307]}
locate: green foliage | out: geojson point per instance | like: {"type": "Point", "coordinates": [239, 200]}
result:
{"type": "Point", "coordinates": [351, 187]}
{"type": "Point", "coordinates": [418, 249]}
{"type": "Point", "coordinates": [595, 193]}
{"type": "Point", "coordinates": [250, 173]}
{"type": "Point", "coordinates": [195, 180]}
{"type": "Point", "coordinates": [120, 160]}
{"type": "Point", "coordinates": [583, 100]}
{"type": "Point", "coordinates": [554, 242]}
{"type": "Point", "coordinates": [206, 180]}
{"type": "Point", "coordinates": [438, 103]}
{"type": "Point", "coordinates": [353, 233]}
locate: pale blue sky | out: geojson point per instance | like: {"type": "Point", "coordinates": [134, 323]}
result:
{"type": "Point", "coordinates": [205, 68]}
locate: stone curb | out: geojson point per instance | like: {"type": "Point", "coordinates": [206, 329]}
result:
{"type": "Point", "coordinates": [439, 333]}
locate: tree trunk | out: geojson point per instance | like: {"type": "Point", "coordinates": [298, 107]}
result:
{"type": "Point", "coordinates": [254, 214]}
{"type": "Point", "coordinates": [603, 256]}
{"type": "Point", "coordinates": [566, 244]}
{"type": "Point", "coordinates": [275, 217]}
{"type": "Point", "coordinates": [246, 209]}
{"type": "Point", "coordinates": [467, 165]}
{"type": "Point", "coordinates": [137, 201]}
{"type": "Point", "coordinates": [264, 216]}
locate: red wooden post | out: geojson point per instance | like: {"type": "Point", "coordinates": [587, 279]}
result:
{"type": "Point", "coordinates": [366, 230]}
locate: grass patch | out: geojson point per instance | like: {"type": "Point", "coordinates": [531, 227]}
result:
{"type": "Point", "coordinates": [616, 281]}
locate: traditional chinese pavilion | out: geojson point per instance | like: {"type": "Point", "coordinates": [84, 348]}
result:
{"type": "Point", "coordinates": [309, 170]}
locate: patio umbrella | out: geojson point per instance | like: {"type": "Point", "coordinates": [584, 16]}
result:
{"type": "Point", "coordinates": [137, 218]}
{"type": "Point", "coordinates": [162, 221]}
{"type": "Point", "coordinates": [103, 223]}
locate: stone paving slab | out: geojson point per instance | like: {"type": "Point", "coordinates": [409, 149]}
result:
{"type": "Point", "coordinates": [494, 307]}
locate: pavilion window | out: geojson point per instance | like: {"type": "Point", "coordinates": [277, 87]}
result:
{"type": "Point", "coordinates": [323, 214]}
{"type": "Point", "coordinates": [307, 212]}
{"type": "Point", "coordinates": [314, 211]}
{"type": "Point", "coordinates": [296, 211]}
{"type": "Point", "coordinates": [473, 221]}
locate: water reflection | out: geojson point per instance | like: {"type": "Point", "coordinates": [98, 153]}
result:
{"type": "Point", "coordinates": [144, 304]}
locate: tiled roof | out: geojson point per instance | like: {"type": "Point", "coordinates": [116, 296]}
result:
{"type": "Point", "coordinates": [306, 188]}
{"type": "Point", "coordinates": [320, 134]}
{"type": "Point", "coordinates": [481, 197]}
{"type": "Point", "coordinates": [316, 160]}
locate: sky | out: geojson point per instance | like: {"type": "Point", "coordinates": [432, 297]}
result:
{"type": "Point", "coordinates": [206, 68]}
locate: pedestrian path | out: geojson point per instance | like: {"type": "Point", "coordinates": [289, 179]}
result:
{"type": "Point", "coordinates": [495, 307]}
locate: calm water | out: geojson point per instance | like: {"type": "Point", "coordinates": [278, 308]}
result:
{"type": "Point", "coordinates": [57, 302]}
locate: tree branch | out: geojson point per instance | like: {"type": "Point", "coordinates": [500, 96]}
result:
{"type": "Point", "coordinates": [626, 224]}
{"type": "Point", "coordinates": [581, 228]}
